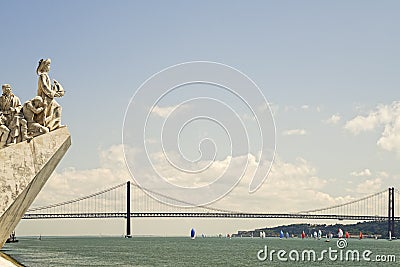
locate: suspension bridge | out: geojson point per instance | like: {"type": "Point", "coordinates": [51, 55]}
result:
{"type": "Point", "coordinates": [128, 200]}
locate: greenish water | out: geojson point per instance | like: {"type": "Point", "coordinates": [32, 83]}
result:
{"type": "Point", "coordinates": [180, 251]}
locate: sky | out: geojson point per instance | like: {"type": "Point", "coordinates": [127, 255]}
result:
{"type": "Point", "coordinates": [328, 70]}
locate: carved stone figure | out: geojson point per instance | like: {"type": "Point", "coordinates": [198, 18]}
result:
{"type": "Point", "coordinates": [8, 103]}
{"type": "Point", "coordinates": [4, 131]}
{"type": "Point", "coordinates": [10, 106]}
{"type": "Point", "coordinates": [33, 110]}
{"type": "Point", "coordinates": [24, 131]}
{"type": "Point", "coordinates": [15, 125]}
{"type": "Point", "coordinates": [48, 92]}
{"type": "Point", "coordinates": [38, 115]}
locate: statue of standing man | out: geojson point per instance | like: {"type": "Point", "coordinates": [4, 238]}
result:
{"type": "Point", "coordinates": [49, 91]}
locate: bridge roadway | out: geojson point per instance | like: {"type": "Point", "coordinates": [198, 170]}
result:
{"type": "Point", "coordinates": [205, 215]}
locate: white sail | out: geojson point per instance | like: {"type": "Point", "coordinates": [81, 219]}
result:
{"type": "Point", "coordinates": [340, 233]}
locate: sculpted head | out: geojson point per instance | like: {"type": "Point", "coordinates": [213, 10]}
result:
{"type": "Point", "coordinates": [6, 89]}
{"type": "Point", "coordinates": [37, 101]}
{"type": "Point", "coordinates": [44, 66]}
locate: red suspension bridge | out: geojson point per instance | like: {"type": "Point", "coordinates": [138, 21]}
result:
{"type": "Point", "coordinates": [128, 200]}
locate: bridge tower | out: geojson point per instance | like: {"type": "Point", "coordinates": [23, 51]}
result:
{"type": "Point", "coordinates": [391, 213]}
{"type": "Point", "coordinates": [128, 210]}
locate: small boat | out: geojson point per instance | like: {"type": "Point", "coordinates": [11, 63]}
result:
{"type": "Point", "coordinates": [192, 234]}
{"type": "Point", "coordinates": [328, 237]}
{"type": "Point", "coordinates": [12, 238]}
{"type": "Point", "coordinates": [281, 234]}
{"type": "Point", "coordinates": [340, 233]}
{"type": "Point", "coordinates": [262, 234]}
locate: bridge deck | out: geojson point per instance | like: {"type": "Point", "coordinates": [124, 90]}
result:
{"type": "Point", "coordinates": [206, 215]}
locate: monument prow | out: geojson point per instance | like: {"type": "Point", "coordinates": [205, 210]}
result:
{"type": "Point", "coordinates": [24, 169]}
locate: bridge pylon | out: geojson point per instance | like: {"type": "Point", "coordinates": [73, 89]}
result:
{"type": "Point", "coordinates": [128, 210]}
{"type": "Point", "coordinates": [391, 232]}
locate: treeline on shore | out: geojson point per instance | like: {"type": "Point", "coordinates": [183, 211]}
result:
{"type": "Point", "coordinates": [368, 229]}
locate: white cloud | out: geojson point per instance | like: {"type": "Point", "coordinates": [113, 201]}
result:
{"type": "Point", "coordinates": [164, 112]}
{"type": "Point", "coordinates": [305, 107]}
{"type": "Point", "coordinates": [274, 108]}
{"type": "Point", "coordinates": [383, 174]}
{"type": "Point", "coordinates": [290, 186]}
{"type": "Point", "coordinates": [334, 119]}
{"type": "Point", "coordinates": [369, 186]}
{"type": "Point", "coordinates": [248, 117]}
{"type": "Point", "coordinates": [295, 132]}
{"type": "Point", "coordinates": [72, 183]}
{"type": "Point", "coordinates": [363, 173]}
{"type": "Point", "coordinates": [362, 123]}
{"type": "Point", "coordinates": [289, 108]}
{"type": "Point", "coordinates": [386, 116]}
{"type": "Point", "coordinates": [266, 107]}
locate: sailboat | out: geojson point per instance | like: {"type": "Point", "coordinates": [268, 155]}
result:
{"type": "Point", "coordinates": [340, 233]}
{"type": "Point", "coordinates": [262, 234]}
{"type": "Point", "coordinates": [281, 234]}
{"type": "Point", "coordinates": [347, 235]}
{"type": "Point", "coordinates": [328, 237]}
{"type": "Point", "coordinates": [192, 234]}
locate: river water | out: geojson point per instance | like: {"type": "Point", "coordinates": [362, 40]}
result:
{"type": "Point", "coordinates": [210, 251]}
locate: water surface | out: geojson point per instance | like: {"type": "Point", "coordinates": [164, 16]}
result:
{"type": "Point", "coordinates": [182, 251]}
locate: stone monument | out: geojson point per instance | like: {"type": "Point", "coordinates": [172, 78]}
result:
{"type": "Point", "coordinates": [32, 143]}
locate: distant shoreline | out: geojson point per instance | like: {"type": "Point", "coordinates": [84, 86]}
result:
{"type": "Point", "coordinates": [370, 229]}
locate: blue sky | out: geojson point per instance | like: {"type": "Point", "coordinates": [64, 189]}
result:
{"type": "Point", "coordinates": [311, 59]}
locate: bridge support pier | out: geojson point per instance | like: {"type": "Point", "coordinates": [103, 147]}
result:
{"type": "Point", "coordinates": [128, 210]}
{"type": "Point", "coordinates": [391, 214]}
